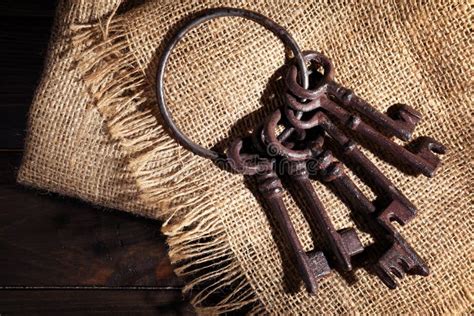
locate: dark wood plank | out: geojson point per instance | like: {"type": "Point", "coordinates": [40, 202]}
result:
{"type": "Point", "coordinates": [90, 301]}
{"type": "Point", "coordinates": [48, 240]}
{"type": "Point", "coordinates": [59, 255]}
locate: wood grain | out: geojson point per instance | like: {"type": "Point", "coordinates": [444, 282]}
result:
{"type": "Point", "coordinates": [81, 302]}
{"type": "Point", "coordinates": [59, 255]}
{"type": "Point", "coordinates": [54, 241]}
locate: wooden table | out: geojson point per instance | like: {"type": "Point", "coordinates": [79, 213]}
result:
{"type": "Point", "coordinates": [59, 255]}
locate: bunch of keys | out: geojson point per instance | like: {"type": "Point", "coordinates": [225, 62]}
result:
{"type": "Point", "coordinates": [320, 120]}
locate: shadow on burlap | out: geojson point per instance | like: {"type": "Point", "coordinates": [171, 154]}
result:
{"type": "Point", "coordinates": [94, 134]}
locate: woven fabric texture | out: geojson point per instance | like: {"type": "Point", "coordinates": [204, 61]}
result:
{"type": "Point", "coordinates": [67, 143]}
{"type": "Point", "coordinates": [95, 133]}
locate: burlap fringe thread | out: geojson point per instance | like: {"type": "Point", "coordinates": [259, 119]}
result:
{"type": "Point", "coordinates": [197, 239]}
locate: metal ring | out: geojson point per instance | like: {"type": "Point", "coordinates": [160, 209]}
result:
{"type": "Point", "coordinates": [320, 90]}
{"type": "Point", "coordinates": [202, 17]}
{"type": "Point", "coordinates": [276, 145]}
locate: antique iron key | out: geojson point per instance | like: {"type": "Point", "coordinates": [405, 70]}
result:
{"type": "Point", "coordinates": [311, 266]}
{"type": "Point", "coordinates": [398, 257]}
{"type": "Point", "coordinates": [344, 243]}
{"type": "Point", "coordinates": [328, 95]}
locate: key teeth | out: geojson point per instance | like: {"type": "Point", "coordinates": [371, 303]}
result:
{"type": "Point", "coordinates": [318, 264]}
{"type": "Point", "coordinates": [389, 273]}
{"type": "Point", "coordinates": [398, 261]}
{"type": "Point", "coordinates": [386, 277]}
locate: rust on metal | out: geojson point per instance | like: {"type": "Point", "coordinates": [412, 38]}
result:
{"type": "Point", "coordinates": [321, 120]}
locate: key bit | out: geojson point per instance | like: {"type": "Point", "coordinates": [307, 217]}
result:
{"type": "Point", "coordinates": [426, 148]}
{"type": "Point", "coordinates": [398, 260]}
{"type": "Point", "coordinates": [351, 241]}
{"type": "Point", "coordinates": [396, 211]}
{"type": "Point", "coordinates": [406, 116]}
{"type": "Point", "coordinates": [318, 264]}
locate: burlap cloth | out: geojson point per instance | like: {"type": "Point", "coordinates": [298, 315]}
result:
{"type": "Point", "coordinates": [93, 134]}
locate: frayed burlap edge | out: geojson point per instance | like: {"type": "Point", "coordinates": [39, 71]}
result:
{"type": "Point", "coordinates": [196, 236]}
{"type": "Point", "coordinates": [60, 80]}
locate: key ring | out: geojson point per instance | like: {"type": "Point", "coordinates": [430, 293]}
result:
{"type": "Point", "coordinates": [332, 111]}
{"type": "Point", "coordinates": [202, 17]}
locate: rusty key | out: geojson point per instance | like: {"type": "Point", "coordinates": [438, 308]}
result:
{"type": "Point", "coordinates": [399, 258]}
{"type": "Point", "coordinates": [312, 265]}
{"type": "Point", "coordinates": [400, 123]}
{"type": "Point", "coordinates": [422, 159]}
{"type": "Point", "coordinates": [349, 150]}
{"type": "Point", "coordinates": [345, 242]}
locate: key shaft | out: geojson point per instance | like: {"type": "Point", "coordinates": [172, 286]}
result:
{"type": "Point", "coordinates": [350, 150]}
{"type": "Point", "coordinates": [310, 270]}
{"type": "Point", "coordinates": [421, 160]}
{"type": "Point", "coordinates": [402, 127]}
{"type": "Point", "coordinates": [344, 244]}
